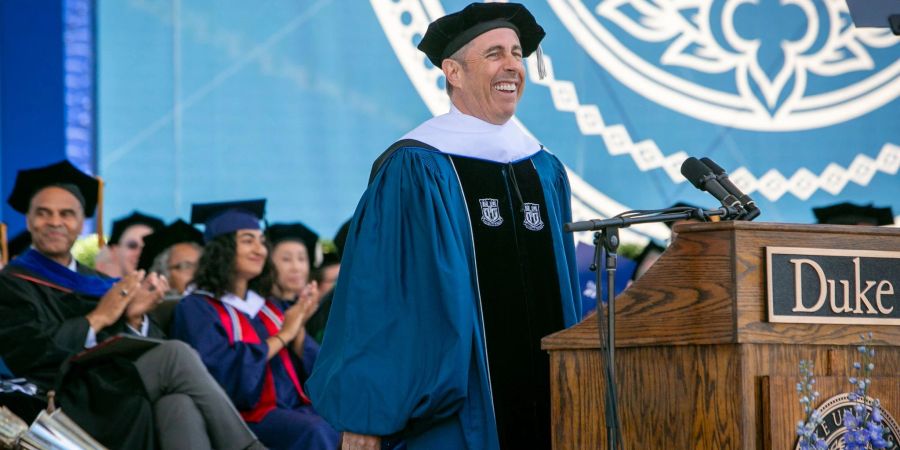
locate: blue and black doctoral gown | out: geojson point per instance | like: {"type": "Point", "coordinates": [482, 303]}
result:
{"type": "Point", "coordinates": [454, 269]}
{"type": "Point", "coordinates": [267, 392]}
{"type": "Point", "coordinates": [43, 305]}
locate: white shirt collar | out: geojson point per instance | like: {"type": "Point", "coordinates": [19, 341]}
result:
{"type": "Point", "coordinates": [73, 265]}
{"type": "Point", "coordinates": [249, 306]}
{"type": "Point", "coordinates": [460, 134]}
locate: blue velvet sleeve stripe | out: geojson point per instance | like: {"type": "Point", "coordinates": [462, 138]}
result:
{"type": "Point", "coordinates": [556, 190]}
{"type": "Point", "coordinates": [400, 333]}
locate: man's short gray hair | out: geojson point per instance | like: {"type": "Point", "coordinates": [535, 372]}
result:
{"type": "Point", "coordinates": [457, 56]}
{"type": "Point", "coordinates": [161, 262]}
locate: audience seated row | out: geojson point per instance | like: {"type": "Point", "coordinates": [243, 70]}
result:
{"type": "Point", "coordinates": [168, 396]}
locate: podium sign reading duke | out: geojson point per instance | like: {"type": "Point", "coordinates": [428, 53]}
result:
{"type": "Point", "coordinates": [812, 285]}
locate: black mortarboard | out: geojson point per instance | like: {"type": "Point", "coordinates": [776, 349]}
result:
{"type": "Point", "coordinates": [63, 175]}
{"type": "Point", "coordinates": [847, 213]}
{"type": "Point", "coordinates": [136, 218]}
{"type": "Point", "coordinates": [176, 232]}
{"type": "Point", "coordinates": [281, 232]}
{"type": "Point", "coordinates": [228, 217]}
{"type": "Point", "coordinates": [329, 259]}
{"type": "Point", "coordinates": [450, 33]}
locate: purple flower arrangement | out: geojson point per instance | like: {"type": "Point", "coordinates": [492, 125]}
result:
{"type": "Point", "coordinates": [865, 429]}
{"type": "Point", "coordinates": [806, 429]}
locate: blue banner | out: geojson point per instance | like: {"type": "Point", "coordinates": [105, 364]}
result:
{"type": "Point", "coordinates": [209, 100]}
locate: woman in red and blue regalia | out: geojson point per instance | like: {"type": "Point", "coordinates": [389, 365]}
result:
{"type": "Point", "coordinates": [251, 345]}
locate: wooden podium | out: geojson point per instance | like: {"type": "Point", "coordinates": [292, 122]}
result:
{"type": "Point", "coordinates": [698, 364]}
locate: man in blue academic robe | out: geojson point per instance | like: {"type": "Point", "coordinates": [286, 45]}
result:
{"type": "Point", "coordinates": [456, 264]}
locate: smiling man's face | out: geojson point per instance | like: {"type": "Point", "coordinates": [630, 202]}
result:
{"type": "Point", "coordinates": [490, 78]}
{"type": "Point", "coordinates": [55, 219]}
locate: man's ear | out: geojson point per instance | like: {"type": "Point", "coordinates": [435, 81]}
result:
{"type": "Point", "coordinates": [452, 72]}
{"type": "Point", "coordinates": [28, 225]}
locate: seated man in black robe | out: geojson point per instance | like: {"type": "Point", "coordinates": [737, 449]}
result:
{"type": "Point", "coordinates": [52, 308]}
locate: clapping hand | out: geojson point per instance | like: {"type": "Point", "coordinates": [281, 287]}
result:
{"type": "Point", "coordinates": [309, 300]}
{"type": "Point", "coordinates": [113, 304]}
{"type": "Point", "coordinates": [150, 294]}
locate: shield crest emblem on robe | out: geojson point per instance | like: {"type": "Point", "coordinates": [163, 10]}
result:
{"type": "Point", "coordinates": [490, 212]}
{"type": "Point", "coordinates": [533, 220]}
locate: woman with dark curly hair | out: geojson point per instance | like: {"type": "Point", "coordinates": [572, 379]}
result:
{"type": "Point", "coordinates": [250, 344]}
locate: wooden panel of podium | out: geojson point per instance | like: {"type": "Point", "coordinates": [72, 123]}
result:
{"type": "Point", "coordinates": [697, 362]}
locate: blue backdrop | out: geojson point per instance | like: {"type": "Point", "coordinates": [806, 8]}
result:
{"type": "Point", "coordinates": [207, 100]}
{"type": "Point", "coordinates": [46, 90]}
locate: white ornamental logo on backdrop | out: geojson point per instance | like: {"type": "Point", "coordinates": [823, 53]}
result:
{"type": "Point", "coordinates": [723, 62]}
{"type": "Point", "coordinates": [815, 72]}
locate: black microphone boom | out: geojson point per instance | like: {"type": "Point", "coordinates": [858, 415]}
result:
{"type": "Point", "coordinates": [650, 216]}
{"type": "Point", "coordinates": [722, 177]}
{"type": "Point", "coordinates": [703, 178]}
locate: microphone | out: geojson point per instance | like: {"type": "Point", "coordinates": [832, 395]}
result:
{"type": "Point", "coordinates": [703, 178]}
{"type": "Point", "coordinates": [752, 211]}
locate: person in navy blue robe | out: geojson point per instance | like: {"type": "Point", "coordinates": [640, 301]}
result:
{"type": "Point", "coordinates": [456, 264]}
{"type": "Point", "coordinates": [249, 343]}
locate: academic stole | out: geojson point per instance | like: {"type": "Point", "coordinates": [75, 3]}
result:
{"type": "Point", "coordinates": [239, 329]}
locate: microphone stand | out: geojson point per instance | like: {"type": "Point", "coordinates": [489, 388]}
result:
{"type": "Point", "coordinates": [607, 239]}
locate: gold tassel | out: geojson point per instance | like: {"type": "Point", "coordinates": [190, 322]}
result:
{"type": "Point", "coordinates": [98, 222]}
{"type": "Point", "coordinates": [4, 244]}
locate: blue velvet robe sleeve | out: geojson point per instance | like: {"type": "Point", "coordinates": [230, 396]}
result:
{"type": "Point", "coordinates": [240, 368]}
{"type": "Point", "coordinates": [558, 195]}
{"type": "Point", "coordinates": [398, 345]}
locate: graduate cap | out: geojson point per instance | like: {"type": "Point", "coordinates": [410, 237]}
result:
{"type": "Point", "coordinates": [298, 232]}
{"type": "Point", "coordinates": [135, 218]}
{"type": "Point", "coordinates": [330, 259]}
{"type": "Point", "coordinates": [176, 232]}
{"type": "Point", "coordinates": [450, 33]}
{"type": "Point", "coordinates": [847, 213]}
{"type": "Point", "coordinates": [227, 217]}
{"type": "Point", "coordinates": [61, 174]}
